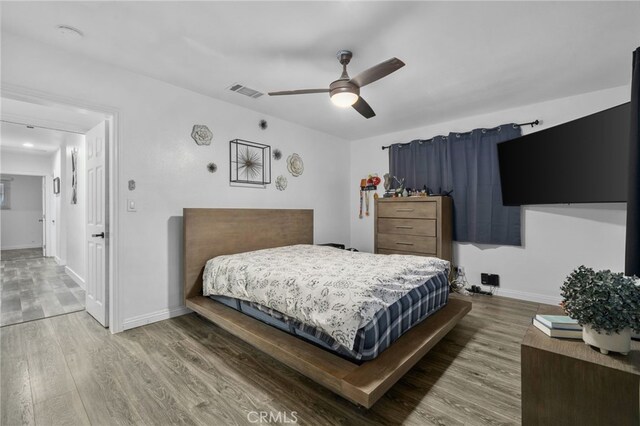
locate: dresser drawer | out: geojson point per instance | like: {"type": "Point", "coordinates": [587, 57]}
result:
{"type": "Point", "coordinates": [386, 251]}
{"type": "Point", "coordinates": [422, 227]}
{"type": "Point", "coordinates": [407, 243]}
{"type": "Point", "coordinates": [408, 209]}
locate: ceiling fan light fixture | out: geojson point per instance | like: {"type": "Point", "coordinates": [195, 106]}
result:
{"type": "Point", "coordinates": [345, 91]}
{"type": "Point", "coordinates": [344, 99]}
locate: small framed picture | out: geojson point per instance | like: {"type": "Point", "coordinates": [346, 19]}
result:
{"type": "Point", "coordinates": [56, 185]}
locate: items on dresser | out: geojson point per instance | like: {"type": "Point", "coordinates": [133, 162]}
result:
{"type": "Point", "coordinates": [366, 185]}
{"type": "Point", "coordinates": [563, 322]}
{"type": "Point", "coordinates": [565, 333]}
{"type": "Point", "coordinates": [416, 225]}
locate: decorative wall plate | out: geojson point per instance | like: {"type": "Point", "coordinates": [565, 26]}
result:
{"type": "Point", "coordinates": [212, 167]}
{"type": "Point", "coordinates": [201, 134]}
{"type": "Point", "coordinates": [281, 183]}
{"type": "Point", "coordinates": [295, 165]}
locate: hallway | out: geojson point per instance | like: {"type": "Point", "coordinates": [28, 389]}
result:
{"type": "Point", "coordinates": [34, 287]}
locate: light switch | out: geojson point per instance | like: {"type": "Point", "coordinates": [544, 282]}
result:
{"type": "Point", "coordinates": [131, 205]}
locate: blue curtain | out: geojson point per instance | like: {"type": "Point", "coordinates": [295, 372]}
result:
{"type": "Point", "coordinates": [467, 164]}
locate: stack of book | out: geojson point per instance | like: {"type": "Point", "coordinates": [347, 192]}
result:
{"type": "Point", "coordinates": [558, 326]}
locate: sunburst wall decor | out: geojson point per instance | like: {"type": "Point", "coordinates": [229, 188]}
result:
{"type": "Point", "coordinates": [250, 163]}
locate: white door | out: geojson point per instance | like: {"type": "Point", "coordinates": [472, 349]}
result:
{"type": "Point", "coordinates": [97, 232]}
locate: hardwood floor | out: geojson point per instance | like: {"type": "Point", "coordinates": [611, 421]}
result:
{"type": "Point", "coordinates": [34, 287]}
{"type": "Point", "coordinates": [69, 370]}
{"type": "Point", "coordinates": [21, 254]}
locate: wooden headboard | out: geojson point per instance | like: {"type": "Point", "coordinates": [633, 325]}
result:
{"type": "Point", "coordinates": [214, 232]}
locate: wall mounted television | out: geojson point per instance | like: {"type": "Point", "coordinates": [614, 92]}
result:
{"type": "Point", "coordinates": [582, 161]}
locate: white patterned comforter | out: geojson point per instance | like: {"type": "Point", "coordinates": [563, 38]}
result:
{"type": "Point", "coordinates": [335, 290]}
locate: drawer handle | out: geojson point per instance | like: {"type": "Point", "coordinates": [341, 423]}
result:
{"type": "Point", "coordinates": [404, 227]}
{"type": "Point", "coordinates": [404, 244]}
{"type": "Point", "coordinates": [404, 210]}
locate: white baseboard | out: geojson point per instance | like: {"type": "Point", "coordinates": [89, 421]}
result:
{"type": "Point", "coordinates": [75, 277]}
{"type": "Point", "coordinates": [529, 297]}
{"type": "Point", "coordinates": [21, 246]}
{"type": "Point", "coordinates": [163, 314]}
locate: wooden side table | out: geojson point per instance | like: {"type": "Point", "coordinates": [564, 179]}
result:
{"type": "Point", "coordinates": [566, 382]}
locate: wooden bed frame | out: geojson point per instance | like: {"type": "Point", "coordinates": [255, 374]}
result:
{"type": "Point", "coordinates": [214, 232]}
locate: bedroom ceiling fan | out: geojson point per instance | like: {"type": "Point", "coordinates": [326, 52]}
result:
{"type": "Point", "coordinates": [345, 91]}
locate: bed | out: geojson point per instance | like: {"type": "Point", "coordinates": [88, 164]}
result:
{"type": "Point", "coordinates": [214, 233]}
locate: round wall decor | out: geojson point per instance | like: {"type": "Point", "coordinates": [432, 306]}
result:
{"type": "Point", "coordinates": [281, 183]}
{"type": "Point", "coordinates": [295, 165]}
{"type": "Point", "coordinates": [201, 134]}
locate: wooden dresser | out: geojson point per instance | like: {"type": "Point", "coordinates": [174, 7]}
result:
{"type": "Point", "coordinates": [414, 225]}
{"type": "Point", "coordinates": [566, 382]}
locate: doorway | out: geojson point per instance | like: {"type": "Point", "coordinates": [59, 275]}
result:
{"type": "Point", "coordinates": [33, 286]}
{"type": "Point", "coordinates": [69, 274]}
{"type": "Point", "coordinates": [22, 216]}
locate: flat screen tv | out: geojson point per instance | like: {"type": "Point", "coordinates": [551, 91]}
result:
{"type": "Point", "coordinates": [582, 161]}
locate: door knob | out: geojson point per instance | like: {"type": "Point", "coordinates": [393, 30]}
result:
{"type": "Point", "coordinates": [40, 220]}
{"type": "Point", "coordinates": [101, 235]}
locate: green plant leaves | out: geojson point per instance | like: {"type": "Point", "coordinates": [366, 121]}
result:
{"type": "Point", "coordinates": [605, 300]}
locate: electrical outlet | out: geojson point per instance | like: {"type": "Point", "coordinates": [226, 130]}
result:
{"type": "Point", "coordinates": [490, 279]}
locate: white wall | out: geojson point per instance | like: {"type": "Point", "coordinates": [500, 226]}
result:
{"type": "Point", "coordinates": [57, 243]}
{"type": "Point", "coordinates": [37, 165]}
{"type": "Point", "coordinates": [73, 216]}
{"type": "Point", "coordinates": [25, 164]}
{"type": "Point", "coordinates": [556, 239]}
{"type": "Point", "coordinates": [20, 224]}
{"type": "Point", "coordinates": [170, 169]}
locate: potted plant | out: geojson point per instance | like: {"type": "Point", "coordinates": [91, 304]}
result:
{"type": "Point", "coordinates": [606, 305]}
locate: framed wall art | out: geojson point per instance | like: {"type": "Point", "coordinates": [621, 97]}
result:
{"type": "Point", "coordinates": [249, 163]}
{"type": "Point", "coordinates": [74, 176]}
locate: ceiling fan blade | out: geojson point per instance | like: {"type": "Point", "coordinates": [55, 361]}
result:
{"type": "Point", "coordinates": [363, 108]}
{"type": "Point", "coordinates": [298, 92]}
{"type": "Point", "coordinates": [377, 72]}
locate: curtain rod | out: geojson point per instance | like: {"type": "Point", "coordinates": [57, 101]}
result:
{"type": "Point", "coordinates": [530, 123]}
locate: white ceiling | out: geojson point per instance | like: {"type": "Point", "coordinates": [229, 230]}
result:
{"type": "Point", "coordinates": [45, 142]}
{"type": "Point", "coordinates": [56, 117]}
{"type": "Point", "coordinates": [49, 125]}
{"type": "Point", "coordinates": [462, 58]}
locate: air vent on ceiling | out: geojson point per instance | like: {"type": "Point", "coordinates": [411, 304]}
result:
{"type": "Point", "coordinates": [244, 90]}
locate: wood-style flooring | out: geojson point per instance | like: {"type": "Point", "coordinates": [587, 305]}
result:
{"type": "Point", "coordinates": [70, 370]}
{"type": "Point", "coordinates": [34, 287]}
{"type": "Point", "coordinates": [21, 254]}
